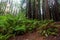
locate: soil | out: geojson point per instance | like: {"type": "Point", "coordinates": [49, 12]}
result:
{"type": "Point", "coordinates": [36, 36]}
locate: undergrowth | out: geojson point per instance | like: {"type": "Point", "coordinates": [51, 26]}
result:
{"type": "Point", "coordinates": [19, 25]}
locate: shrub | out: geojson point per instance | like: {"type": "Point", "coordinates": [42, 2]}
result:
{"type": "Point", "coordinates": [19, 25]}
{"type": "Point", "coordinates": [46, 29]}
{"type": "Point", "coordinates": [50, 31]}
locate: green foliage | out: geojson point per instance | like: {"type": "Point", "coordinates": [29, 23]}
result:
{"type": "Point", "coordinates": [5, 37]}
{"type": "Point", "coordinates": [46, 28]}
{"type": "Point", "coordinates": [13, 24]}
{"type": "Point", "coordinates": [50, 31]}
{"type": "Point", "coordinates": [20, 29]}
{"type": "Point", "coordinates": [18, 25]}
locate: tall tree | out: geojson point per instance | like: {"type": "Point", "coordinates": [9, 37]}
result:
{"type": "Point", "coordinates": [56, 15]}
{"type": "Point", "coordinates": [29, 15]}
{"type": "Point", "coordinates": [36, 9]}
{"type": "Point", "coordinates": [47, 15]}
{"type": "Point", "coordinates": [33, 7]}
{"type": "Point", "coordinates": [39, 12]}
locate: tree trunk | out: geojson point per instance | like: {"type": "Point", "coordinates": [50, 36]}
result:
{"type": "Point", "coordinates": [56, 16]}
{"type": "Point", "coordinates": [47, 15]}
{"type": "Point", "coordinates": [39, 12]}
{"type": "Point", "coordinates": [36, 9]}
{"type": "Point", "coordinates": [29, 15]}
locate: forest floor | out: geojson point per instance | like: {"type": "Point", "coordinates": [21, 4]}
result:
{"type": "Point", "coordinates": [36, 36]}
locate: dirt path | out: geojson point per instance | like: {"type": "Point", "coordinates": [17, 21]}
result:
{"type": "Point", "coordinates": [29, 36]}
{"type": "Point", "coordinates": [36, 36]}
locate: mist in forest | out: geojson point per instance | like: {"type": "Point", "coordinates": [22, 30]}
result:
{"type": "Point", "coordinates": [13, 6]}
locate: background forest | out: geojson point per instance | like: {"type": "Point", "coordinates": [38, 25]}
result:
{"type": "Point", "coordinates": [18, 17]}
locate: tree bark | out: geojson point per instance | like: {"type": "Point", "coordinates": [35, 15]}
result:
{"type": "Point", "coordinates": [29, 15]}
{"type": "Point", "coordinates": [36, 9]}
{"type": "Point", "coordinates": [47, 16]}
